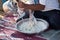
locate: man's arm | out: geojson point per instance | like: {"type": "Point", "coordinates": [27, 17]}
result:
{"type": "Point", "coordinates": [31, 6]}
{"type": "Point", "coordinates": [35, 7]}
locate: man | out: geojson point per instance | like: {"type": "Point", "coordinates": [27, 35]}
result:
{"type": "Point", "coordinates": [45, 9]}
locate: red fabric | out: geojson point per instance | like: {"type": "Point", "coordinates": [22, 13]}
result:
{"type": "Point", "coordinates": [17, 34]}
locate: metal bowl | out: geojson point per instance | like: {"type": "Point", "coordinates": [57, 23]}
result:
{"type": "Point", "coordinates": [25, 20]}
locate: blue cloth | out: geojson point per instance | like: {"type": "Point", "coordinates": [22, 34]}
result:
{"type": "Point", "coordinates": [4, 1]}
{"type": "Point", "coordinates": [36, 1]}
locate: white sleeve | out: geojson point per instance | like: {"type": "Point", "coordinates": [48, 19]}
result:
{"type": "Point", "coordinates": [43, 2]}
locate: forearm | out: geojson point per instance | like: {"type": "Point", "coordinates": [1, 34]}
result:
{"type": "Point", "coordinates": [34, 7]}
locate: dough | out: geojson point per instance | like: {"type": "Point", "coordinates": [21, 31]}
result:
{"type": "Point", "coordinates": [25, 27]}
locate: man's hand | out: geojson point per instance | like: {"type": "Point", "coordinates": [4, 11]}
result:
{"type": "Point", "coordinates": [31, 6]}
{"type": "Point", "coordinates": [21, 4]}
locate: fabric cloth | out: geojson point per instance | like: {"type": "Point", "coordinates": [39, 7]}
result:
{"type": "Point", "coordinates": [50, 4]}
{"type": "Point", "coordinates": [3, 1]}
{"type": "Point", "coordinates": [52, 17]}
{"type": "Point", "coordinates": [18, 35]}
{"type": "Point", "coordinates": [36, 1]}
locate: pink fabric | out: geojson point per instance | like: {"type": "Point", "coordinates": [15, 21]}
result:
{"type": "Point", "coordinates": [17, 34]}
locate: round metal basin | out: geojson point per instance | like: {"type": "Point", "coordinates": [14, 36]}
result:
{"type": "Point", "coordinates": [25, 20]}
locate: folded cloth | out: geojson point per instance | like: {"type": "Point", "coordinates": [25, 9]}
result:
{"type": "Point", "coordinates": [18, 35]}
